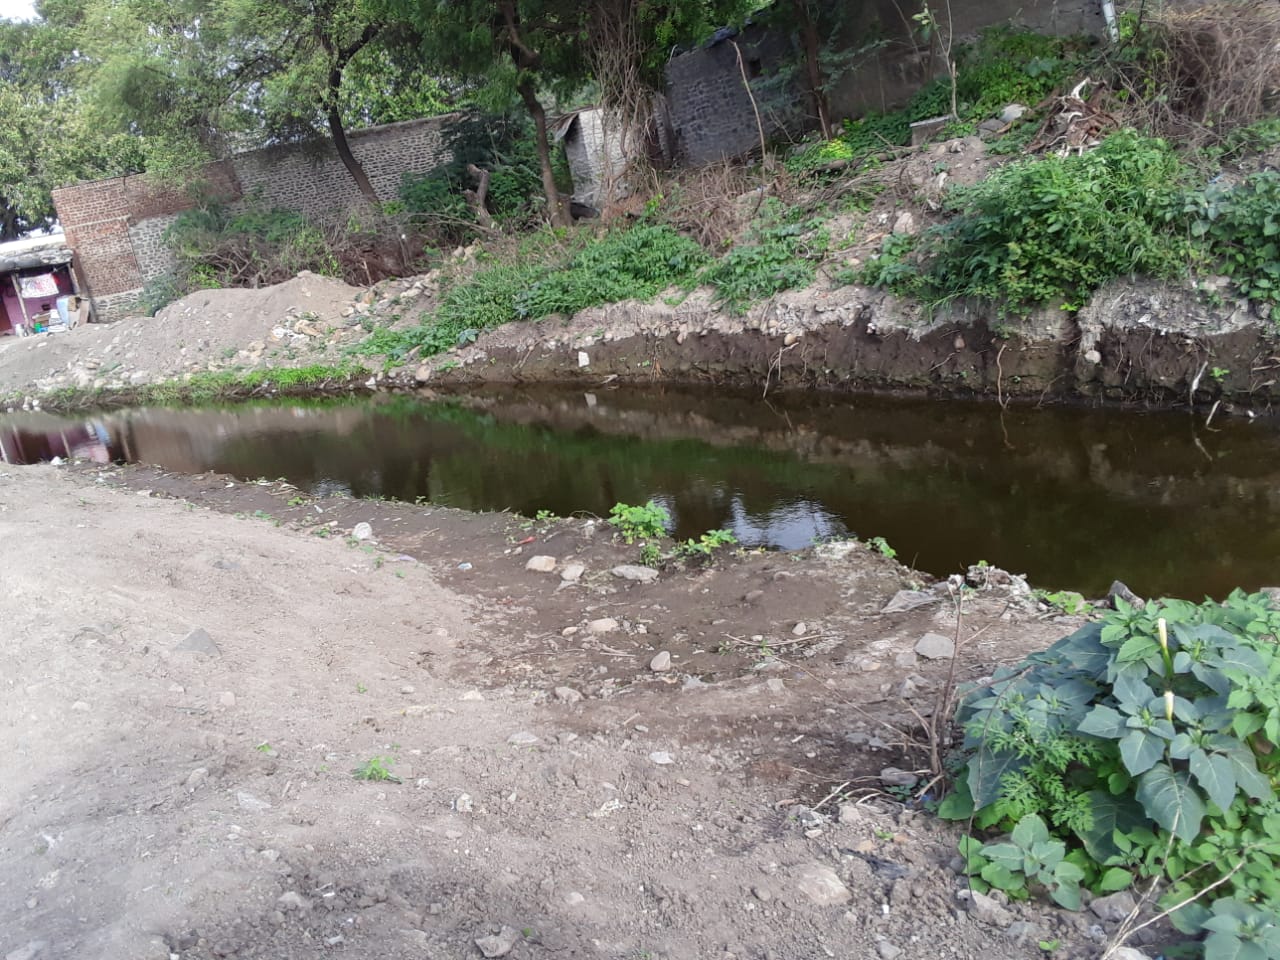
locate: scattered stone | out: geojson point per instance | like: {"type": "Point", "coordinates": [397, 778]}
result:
{"type": "Point", "coordinates": [472, 695]}
{"type": "Point", "coordinates": [906, 659]}
{"type": "Point", "coordinates": [661, 663]}
{"type": "Point", "coordinates": [888, 951]}
{"type": "Point", "coordinates": [1114, 907]}
{"type": "Point", "coordinates": [1012, 112]}
{"type": "Point", "coordinates": [821, 885]}
{"type": "Point", "coordinates": [80, 706]}
{"type": "Point", "coordinates": [989, 128]}
{"type": "Point", "coordinates": [362, 531]}
{"type": "Point", "coordinates": [196, 777]}
{"type": "Point", "coordinates": [630, 571]}
{"type": "Point", "coordinates": [603, 625]}
{"type": "Point", "coordinates": [463, 804]}
{"type": "Point", "coordinates": [572, 573]}
{"type": "Point", "coordinates": [541, 564]}
{"type": "Point", "coordinates": [661, 758]}
{"type": "Point", "coordinates": [849, 813]}
{"type": "Point", "coordinates": [499, 944]}
{"type": "Point", "coordinates": [292, 900]}
{"type": "Point", "coordinates": [199, 641]}
{"type": "Point", "coordinates": [934, 646]}
{"type": "Point", "coordinates": [249, 802]}
{"type": "Point", "coordinates": [573, 898]}
{"type": "Point", "coordinates": [568, 631]}
{"type": "Point", "coordinates": [1119, 591]}
{"type": "Point", "coordinates": [775, 685]}
{"type": "Point", "coordinates": [905, 224]}
{"type": "Point", "coordinates": [761, 894]}
{"type": "Point", "coordinates": [1129, 953]}
{"type": "Point", "coordinates": [986, 910]}
{"type": "Point", "coordinates": [893, 777]}
{"type": "Point", "coordinates": [905, 600]}
{"type": "Point", "coordinates": [800, 629]}
{"type": "Point", "coordinates": [407, 688]}
{"type": "Point", "coordinates": [1022, 930]}
{"type": "Point", "coordinates": [423, 373]}
{"type": "Point", "coordinates": [522, 738]}
{"type": "Point", "coordinates": [567, 695]}
{"type": "Point", "coordinates": [226, 699]}
{"type": "Point", "coordinates": [32, 950]}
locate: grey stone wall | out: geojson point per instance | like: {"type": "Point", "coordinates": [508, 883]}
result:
{"type": "Point", "coordinates": [595, 158]}
{"type": "Point", "coordinates": [155, 257]}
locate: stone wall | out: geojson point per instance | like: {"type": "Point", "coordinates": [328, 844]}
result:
{"type": "Point", "coordinates": [116, 226]}
{"type": "Point", "coordinates": [711, 112]}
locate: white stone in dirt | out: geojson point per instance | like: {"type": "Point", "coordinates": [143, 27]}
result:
{"type": "Point", "coordinates": [888, 951]}
{"type": "Point", "coordinates": [567, 695]}
{"type": "Point", "coordinates": [634, 572]}
{"type": "Point", "coordinates": [293, 900]}
{"type": "Point", "coordinates": [661, 662]}
{"type": "Point", "coordinates": [541, 564]}
{"type": "Point", "coordinates": [603, 625]}
{"type": "Point", "coordinates": [463, 804]}
{"type": "Point", "coordinates": [934, 646]}
{"type": "Point", "coordinates": [199, 641]}
{"type": "Point", "coordinates": [1012, 112]}
{"type": "Point", "coordinates": [422, 374]}
{"type": "Point", "coordinates": [906, 659]}
{"type": "Point", "coordinates": [821, 885]}
{"type": "Point", "coordinates": [1129, 953]}
{"type": "Point", "coordinates": [572, 572]}
{"type": "Point", "coordinates": [986, 910]}
{"type": "Point", "coordinates": [226, 699]}
{"type": "Point", "coordinates": [775, 686]}
{"type": "Point", "coordinates": [249, 802]}
{"type": "Point", "coordinates": [661, 758]}
{"type": "Point", "coordinates": [522, 738]}
{"type": "Point", "coordinates": [500, 943]}
{"type": "Point", "coordinates": [33, 949]}
{"type": "Point", "coordinates": [800, 629]}
{"type": "Point", "coordinates": [80, 706]}
{"type": "Point", "coordinates": [362, 531]}
{"type": "Point", "coordinates": [905, 224]}
{"type": "Point", "coordinates": [1113, 908]}
{"type": "Point", "coordinates": [849, 813]}
{"type": "Point", "coordinates": [893, 777]}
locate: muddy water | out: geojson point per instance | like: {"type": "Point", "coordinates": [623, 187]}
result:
{"type": "Point", "coordinates": [1073, 498]}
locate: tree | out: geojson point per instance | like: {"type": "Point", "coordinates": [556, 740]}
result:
{"type": "Point", "coordinates": [47, 136]}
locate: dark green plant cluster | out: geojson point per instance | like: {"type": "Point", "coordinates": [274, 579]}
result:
{"type": "Point", "coordinates": [779, 254]}
{"type": "Point", "coordinates": [640, 523]}
{"type": "Point", "coordinates": [1240, 226]}
{"type": "Point", "coordinates": [1142, 746]}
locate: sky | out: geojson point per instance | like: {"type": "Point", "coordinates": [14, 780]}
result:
{"type": "Point", "coordinates": [16, 9]}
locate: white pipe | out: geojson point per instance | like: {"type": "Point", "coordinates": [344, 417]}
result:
{"type": "Point", "coordinates": [1109, 15]}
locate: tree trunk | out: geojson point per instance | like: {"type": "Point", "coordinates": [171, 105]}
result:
{"type": "Point", "coordinates": [555, 207]}
{"type": "Point", "coordinates": [813, 67]}
{"type": "Point", "coordinates": [339, 58]}
{"type": "Point", "coordinates": [348, 158]}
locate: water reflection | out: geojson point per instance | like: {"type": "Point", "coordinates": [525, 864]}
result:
{"type": "Point", "coordinates": [1074, 498]}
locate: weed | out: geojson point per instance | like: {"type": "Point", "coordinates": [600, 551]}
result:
{"type": "Point", "coordinates": [881, 546]}
{"type": "Point", "coordinates": [298, 501]}
{"type": "Point", "coordinates": [1067, 601]}
{"type": "Point", "coordinates": [361, 688]}
{"type": "Point", "coordinates": [639, 523]}
{"type": "Point", "coordinates": [778, 256]}
{"type": "Point", "coordinates": [706, 544]}
{"type": "Point", "coordinates": [376, 768]}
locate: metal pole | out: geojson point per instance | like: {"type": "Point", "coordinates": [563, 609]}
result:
{"type": "Point", "coordinates": [26, 321]}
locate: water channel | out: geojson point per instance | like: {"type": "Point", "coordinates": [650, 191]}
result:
{"type": "Point", "coordinates": [1072, 497]}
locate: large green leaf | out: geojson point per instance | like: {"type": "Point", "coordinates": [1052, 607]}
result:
{"type": "Point", "coordinates": [1171, 801]}
{"type": "Point", "coordinates": [1216, 777]}
{"type": "Point", "coordinates": [986, 771]}
{"type": "Point", "coordinates": [1109, 814]}
{"type": "Point", "coordinates": [1140, 750]}
{"type": "Point", "coordinates": [1102, 721]}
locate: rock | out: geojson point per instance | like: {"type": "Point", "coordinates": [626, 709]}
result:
{"type": "Point", "coordinates": [499, 944]}
{"type": "Point", "coordinates": [362, 531]}
{"type": "Point", "coordinates": [1119, 591]}
{"type": "Point", "coordinates": [248, 801]}
{"type": "Point", "coordinates": [661, 758]}
{"type": "Point", "coordinates": [1093, 356]}
{"type": "Point", "coordinates": [906, 659]}
{"type": "Point", "coordinates": [226, 699]}
{"type": "Point", "coordinates": [572, 572]}
{"type": "Point", "coordinates": [32, 950]}
{"type": "Point", "coordinates": [573, 899]}
{"type": "Point", "coordinates": [603, 625]}
{"type": "Point", "coordinates": [905, 600]}
{"type": "Point", "coordinates": [199, 641]}
{"type": "Point", "coordinates": [893, 777]}
{"type": "Point", "coordinates": [522, 738]}
{"type": "Point", "coordinates": [775, 685]}
{"type": "Point", "coordinates": [934, 646]}
{"type": "Point", "coordinates": [422, 374]}
{"type": "Point", "coordinates": [1022, 930]}
{"type": "Point", "coordinates": [541, 564]}
{"type": "Point", "coordinates": [762, 894]}
{"type": "Point", "coordinates": [196, 777]}
{"type": "Point", "coordinates": [630, 571]}
{"type": "Point", "coordinates": [986, 910]}
{"type": "Point", "coordinates": [292, 900]}
{"type": "Point", "coordinates": [849, 813]}
{"type": "Point", "coordinates": [821, 885]}
{"type": "Point", "coordinates": [1012, 112]}
{"type": "Point", "coordinates": [905, 224]}
{"type": "Point", "coordinates": [463, 804]}
{"type": "Point", "coordinates": [1114, 907]}
{"type": "Point", "coordinates": [661, 663]}
{"type": "Point", "coordinates": [888, 951]}
{"type": "Point", "coordinates": [567, 695]}
{"type": "Point", "coordinates": [989, 128]}
{"type": "Point", "coordinates": [1129, 953]}
{"type": "Point", "coordinates": [80, 706]}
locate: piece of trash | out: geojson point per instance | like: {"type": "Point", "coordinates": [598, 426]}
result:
{"type": "Point", "coordinates": [464, 566]}
{"type": "Point", "coordinates": [526, 540]}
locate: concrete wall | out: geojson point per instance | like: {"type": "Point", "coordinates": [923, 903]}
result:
{"type": "Point", "coordinates": [116, 226]}
{"type": "Point", "coordinates": [711, 111]}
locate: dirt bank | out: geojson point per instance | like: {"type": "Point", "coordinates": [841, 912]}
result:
{"type": "Point", "coordinates": [193, 673]}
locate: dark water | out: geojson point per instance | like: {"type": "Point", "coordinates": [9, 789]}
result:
{"type": "Point", "coordinates": [1073, 498]}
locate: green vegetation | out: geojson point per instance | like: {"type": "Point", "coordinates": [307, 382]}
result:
{"type": "Point", "coordinates": [881, 546]}
{"type": "Point", "coordinates": [777, 255]}
{"type": "Point", "coordinates": [706, 544]}
{"type": "Point", "coordinates": [1141, 746]}
{"type": "Point", "coordinates": [640, 523]}
{"type": "Point", "coordinates": [376, 769]}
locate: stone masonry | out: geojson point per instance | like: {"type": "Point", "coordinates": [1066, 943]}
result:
{"type": "Point", "coordinates": [116, 226]}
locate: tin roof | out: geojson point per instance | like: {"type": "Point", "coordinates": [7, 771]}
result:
{"type": "Point", "coordinates": [31, 252]}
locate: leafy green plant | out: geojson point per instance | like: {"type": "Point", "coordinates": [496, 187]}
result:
{"type": "Point", "coordinates": [706, 544]}
{"type": "Point", "coordinates": [881, 546]}
{"type": "Point", "coordinates": [1241, 226]}
{"type": "Point", "coordinates": [639, 523]}
{"type": "Point", "coordinates": [778, 256]}
{"type": "Point", "coordinates": [1030, 859]}
{"type": "Point", "coordinates": [1146, 744]}
{"type": "Point", "coordinates": [1066, 601]}
{"type": "Point", "coordinates": [376, 769]}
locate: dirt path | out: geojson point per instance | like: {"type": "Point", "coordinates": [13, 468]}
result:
{"type": "Point", "coordinates": [187, 692]}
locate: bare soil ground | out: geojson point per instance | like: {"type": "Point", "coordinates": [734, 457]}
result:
{"type": "Point", "coordinates": [191, 673]}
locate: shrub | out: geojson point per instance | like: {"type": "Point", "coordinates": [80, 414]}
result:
{"type": "Point", "coordinates": [777, 256]}
{"type": "Point", "coordinates": [639, 523]}
{"type": "Point", "coordinates": [1143, 745]}
{"type": "Point", "coordinates": [1241, 227]}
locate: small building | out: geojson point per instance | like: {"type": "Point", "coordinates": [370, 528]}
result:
{"type": "Point", "coordinates": [37, 285]}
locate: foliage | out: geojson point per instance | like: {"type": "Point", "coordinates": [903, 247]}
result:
{"type": "Point", "coordinates": [1145, 744]}
{"type": "Point", "coordinates": [376, 769]}
{"type": "Point", "coordinates": [1028, 860]}
{"type": "Point", "coordinates": [1241, 228]}
{"type": "Point", "coordinates": [881, 546]}
{"type": "Point", "coordinates": [706, 544]}
{"type": "Point", "coordinates": [640, 523]}
{"type": "Point", "coordinates": [1055, 229]}
{"type": "Point", "coordinates": [778, 255]}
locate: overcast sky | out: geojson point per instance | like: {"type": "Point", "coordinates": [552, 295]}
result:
{"type": "Point", "coordinates": [16, 9]}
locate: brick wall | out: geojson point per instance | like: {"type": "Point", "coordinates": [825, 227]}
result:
{"type": "Point", "coordinates": [116, 226]}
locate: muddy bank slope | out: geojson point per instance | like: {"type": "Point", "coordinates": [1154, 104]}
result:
{"type": "Point", "coordinates": [193, 675]}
